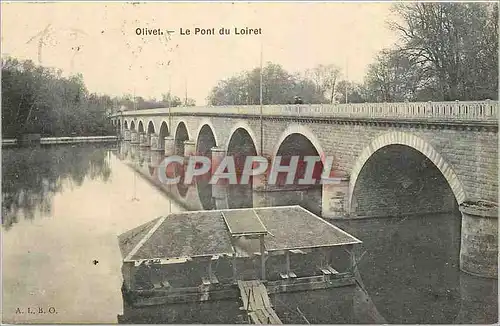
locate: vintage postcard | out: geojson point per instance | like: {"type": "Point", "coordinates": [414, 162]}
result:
{"type": "Point", "coordinates": [249, 162]}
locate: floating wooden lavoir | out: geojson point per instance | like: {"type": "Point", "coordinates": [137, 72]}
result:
{"type": "Point", "coordinates": [200, 256]}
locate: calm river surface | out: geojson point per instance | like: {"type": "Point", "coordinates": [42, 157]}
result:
{"type": "Point", "coordinates": [64, 206]}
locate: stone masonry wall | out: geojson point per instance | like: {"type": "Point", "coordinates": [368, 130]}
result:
{"type": "Point", "coordinates": [471, 154]}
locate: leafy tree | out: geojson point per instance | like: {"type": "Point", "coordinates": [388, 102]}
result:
{"type": "Point", "coordinates": [455, 45]}
{"type": "Point", "coordinates": [39, 100]}
{"type": "Point", "coordinates": [392, 78]}
{"type": "Point", "coordinates": [278, 87]}
{"type": "Point", "coordinates": [190, 102]}
{"type": "Point", "coordinates": [308, 92]}
{"type": "Point", "coordinates": [170, 100]}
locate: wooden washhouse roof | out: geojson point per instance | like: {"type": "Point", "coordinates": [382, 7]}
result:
{"type": "Point", "coordinates": [189, 235]}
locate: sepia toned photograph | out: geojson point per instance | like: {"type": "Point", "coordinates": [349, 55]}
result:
{"type": "Point", "coordinates": [249, 162]}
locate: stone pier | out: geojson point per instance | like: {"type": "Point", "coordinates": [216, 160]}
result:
{"type": "Point", "coordinates": [335, 197]}
{"type": "Point", "coordinates": [155, 143]}
{"type": "Point", "coordinates": [169, 145]}
{"type": "Point", "coordinates": [126, 135]}
{"type": "Point", "coordinates": [478, 301]}
{"type": "Point", "coordinates": [189, 148]}
{"type": "Point", "coordinates": [156, 157]}
{"type": "Point", "coordinates": [219, 190]}
{"type": "Point", "coordinates": [479, 243]}
{"type": "Point", "coordinates": [144, 140]}
{"type": "Point", "coordinates": [134, 137]}
{"type": "Point", "coordinates": [260, 193]}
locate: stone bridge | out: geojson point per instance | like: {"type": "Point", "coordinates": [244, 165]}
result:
{"type": "Point", "coordinates": [436, 149]}
{"type": "Point", "coordinates": [393, 159]}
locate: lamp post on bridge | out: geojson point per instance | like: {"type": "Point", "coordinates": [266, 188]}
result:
{"type": "Point", "coordinates": [260, 102]}
{"type": "Point", "coordinates": [346, 79]}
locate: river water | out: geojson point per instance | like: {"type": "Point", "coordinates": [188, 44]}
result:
{"type": "Point", "coordinates": [64, 206]}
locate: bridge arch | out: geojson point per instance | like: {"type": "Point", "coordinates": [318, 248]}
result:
{"type": "Point", "coordinates": [241, 144]}
{"type": "Point", "coordinates": [151, 127]}
{"type": "Point", "coordinates": [304, 131]}
{"type": "Point", "coordinates": [181, 128]}
{"type": "Point", "coordinates": [140, 126]}
{"type": "Point", "coordinates": [243, 126]}
{"type": "Point", "coordinates": [181, 135]}
{"type": "Point", "coordinates": [163, 132]}
{"type": "Point", "coordinates": [413, 142]}
{"type": "Point", "coordinates": [205, 140]}
{"type": "Point", "coordinates": [204, 124]}
{"type": "Point", "coordinates": [298, 140]}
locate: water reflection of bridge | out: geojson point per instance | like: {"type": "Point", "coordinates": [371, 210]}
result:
{"type": "Point", "coordinates": [410, 273]}
{"type": "Point", "coordinates": [199, 195]}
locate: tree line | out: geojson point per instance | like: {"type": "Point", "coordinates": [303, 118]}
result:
{"type": "Point", "coordinates": [278, 86]}
{"type": "Point", "coordinates": [129, 102]}
{"type": "Point", "coordinates": [37, 99]}
{"type": "Point", "coordinates": [445, 52]}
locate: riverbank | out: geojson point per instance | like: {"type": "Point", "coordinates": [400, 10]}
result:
{"type": "Point", "coordinates": [65, 140]}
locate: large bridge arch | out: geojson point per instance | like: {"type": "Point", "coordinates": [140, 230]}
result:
{"type": "Point", "coordinates": [298, 140]}
{"type": "Point", "coordinates": [415, 143]}
{"type": "Point", "coordinates": [239, 126]}
{"type": "Point", "coordinates": [304, 131]}
{"type": "Point", "coordinates": [241, 144]}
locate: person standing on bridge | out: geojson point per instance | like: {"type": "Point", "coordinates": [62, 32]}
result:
{"type": "Point", "coordinates": [298, 100]}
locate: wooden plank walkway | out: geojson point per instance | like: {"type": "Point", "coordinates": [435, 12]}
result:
{"type": "Point", "coordinates": [257, 304]}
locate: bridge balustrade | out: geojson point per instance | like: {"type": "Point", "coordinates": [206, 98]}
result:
{"type": "Point", "coordinates": [454, 111]}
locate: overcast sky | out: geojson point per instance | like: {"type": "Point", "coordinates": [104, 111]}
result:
{"type": "Point", "coordinates": [99, 41]}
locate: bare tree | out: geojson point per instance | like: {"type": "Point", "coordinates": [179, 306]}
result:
{"type": "Point", "coordinates": [453, 42]}
{"type": "Point", "coordinates": [325, 77]}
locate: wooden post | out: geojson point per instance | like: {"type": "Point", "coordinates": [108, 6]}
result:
{"type": "Point", "coordinates": [235, 278]}
{"type": "Point", "coordinates": [287, 257]}
{"type": "Point", "coordinates": [262, 257]}
{"type": "Point", "coordinates": [129, 270]}
{"type": "Point", "coordinates": [353, 257]}
{"type": "Point", "coordinates": [326, 256]}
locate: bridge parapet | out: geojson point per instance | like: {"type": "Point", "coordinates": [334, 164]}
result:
{"type": "Point", "coordinates": [474, 111]}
